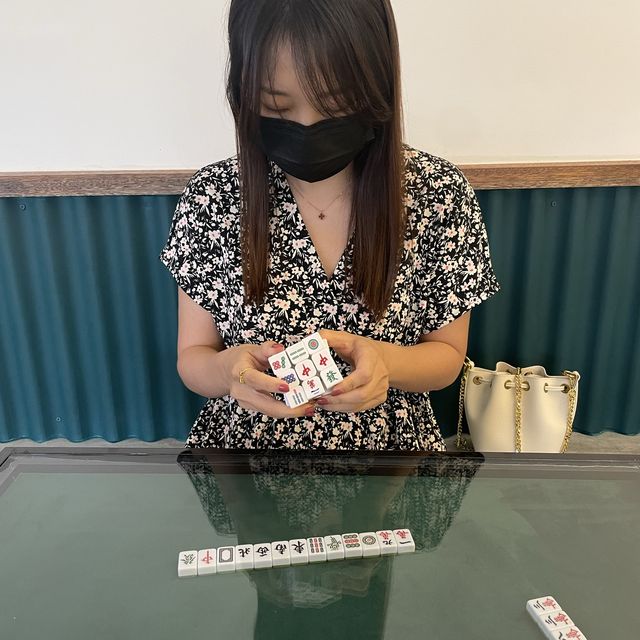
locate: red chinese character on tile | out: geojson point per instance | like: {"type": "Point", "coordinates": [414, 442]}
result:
{"type": "Point", "coordinates": [323, 361]}
{"type": "Point", "coordinates": [402, 534]}
{"type": "Point", "coordinates": [306, 371]}
{"type": "Point", "coordinates": [550, 603]}
{"type": "Point", "coordinates": [312, 384]}
{"type": "Point", "coordinates": [384, 535]}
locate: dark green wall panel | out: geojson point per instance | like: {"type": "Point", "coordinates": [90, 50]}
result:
{"type": "Point", "coordinates": [88, 313]}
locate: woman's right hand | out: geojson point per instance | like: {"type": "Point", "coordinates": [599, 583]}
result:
{"type": "Point", "coordinates": [254, 392]}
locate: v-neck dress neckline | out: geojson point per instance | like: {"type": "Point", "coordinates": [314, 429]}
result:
{"type": "Point", "coordinates": [314, 257]}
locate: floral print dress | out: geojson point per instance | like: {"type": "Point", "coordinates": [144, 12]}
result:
{"type": "Point", "coordinates": [445, 270]}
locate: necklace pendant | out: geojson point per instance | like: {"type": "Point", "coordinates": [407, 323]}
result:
{"type": "Point", "coordinates": [322, 216]}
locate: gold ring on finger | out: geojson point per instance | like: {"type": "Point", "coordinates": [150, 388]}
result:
{"type": "Point", "coordinates": [241, 376]}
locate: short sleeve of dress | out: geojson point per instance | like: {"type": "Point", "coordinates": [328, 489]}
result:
{"type": "Point", "coordinates": [193, 252]}
{"type": "Point", "coordinates": [458, 273]}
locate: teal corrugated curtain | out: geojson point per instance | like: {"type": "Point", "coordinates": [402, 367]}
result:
{"type": "Point", "coordinates": [88, 313]}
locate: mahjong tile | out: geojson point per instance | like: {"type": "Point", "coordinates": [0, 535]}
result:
{"type": "Point", "coordinates": [317, 551]}
{"type": "Point", "coordinates": [244, 557]}
{"type": "Point", "coordinates": [334, 546]}
{"type": "Point", "coordinates": [370, 544]}
{"type": "Point", "coordinates": [226, 559]}
{"type": "Point", "coordinates": [295, 397]}
{"type": "Point", "coordinates": [187, 564]}
{"type": "Point", "coordinates": [206, 562]}
{"type": "Point", "coordinates": [297, 353]}
{"type": "Point", "coordinates": [288, 375]}
{"type": "Point", "coordinates": [262, 558]}
{"type": "Point", "coordinates": [280, 553]}
{"type": "Point", "coordinates": [314, 343]}
{"type": "Point", "coordinates": [298, 549]}
{"type": "Point", "coordinates": [554, 620]}
{"type": "Point", "coordinates": [278, 362]}
{"type": "Point", "coordinates": [322, 360]}
{"type": "Point", "coordinates": [305, 370]}
{"type": "Point", "coordinates": [566, 633]}
{"type": "Point", "coordinates": [313, 388]}
{"type": "Point", "coordinates": [331, 377]}
{"type": "Point", "coordinates": [405, 541]}
{"type": "Point", "coordinates": [352, 545]}
{"type": "Point", "coordinates": [387, 542]}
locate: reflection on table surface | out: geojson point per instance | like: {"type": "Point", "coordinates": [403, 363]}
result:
{"type": "Point", "coordinates": [90, 543]}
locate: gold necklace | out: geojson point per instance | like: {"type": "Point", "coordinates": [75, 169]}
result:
{"type": "Point", "coordinates": [321, 211]}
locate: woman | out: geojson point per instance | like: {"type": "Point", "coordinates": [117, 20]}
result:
{"type": "Point", "coordinates": [324, 220]}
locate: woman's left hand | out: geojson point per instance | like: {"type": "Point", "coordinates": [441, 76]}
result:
{"type": "Point", "coordinates": [367, 385]}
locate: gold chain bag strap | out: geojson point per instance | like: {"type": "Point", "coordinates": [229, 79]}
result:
{"type": "Point", "coordinates": [496, 415]}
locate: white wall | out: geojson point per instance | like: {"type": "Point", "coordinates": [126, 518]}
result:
{"type": "Point", "coordinates": [138, 84]}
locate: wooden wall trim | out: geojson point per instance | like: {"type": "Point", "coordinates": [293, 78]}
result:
{"type": "Point", "coordinates": [621, 173]}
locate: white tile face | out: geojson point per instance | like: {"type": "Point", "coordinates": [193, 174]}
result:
{"type": "Point", "coordinates": [567, 633]}
{"type": "Point", "coordinates": [555, 620]}
{"type": "Point", "coordinates": [305, 370]}
{"type": "Point", "coordinates": [289, 376]}
{"type": "Point", "coordinates": [322, 360]}
{"type": "Point", "coordinates": [314, 343]}
{"type": "Point", "coordinates": [297, 353]}
{"type": "Point", "coordinates": [244, 557]}
{"type": "Point", "coordinates": [352, 545]}
{"type": "Point", "coordinates": [334, 547]}
{"type": "Point", "coordinates": [387, 542]}
{"type": "Point", "coordinates": [187, 564]}
{"type": "Point", "coordinates": [370, 545]}
{"type": "Point", "coordinates": [279, 362]}
{"type": "Point", "coordinates": [226, 559]}
{"type": "Point", "coordinates": [299, 551]}
{"type": "Point", "coordinates": [295, 397]}
{"type": "Point", "coordinates": [317, 551]}
{"type": "Point", "coordinates": [262, 555]}
{"type": "Point", "coordinates": [313, 388]}
{"type": "Point", "coordinates": [330, 377]}
{"type": "Point", "coordinates": [280, 553]}
{"type": "Point", "coordinates": [404, 540]}
{"type": "Point", "coordinates": [545, 604]}
{"type": "Point", "coordinates": [206, 562]}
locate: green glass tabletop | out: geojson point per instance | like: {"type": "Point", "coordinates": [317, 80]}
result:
{"type": "Point", "coordinates": [89, 542]}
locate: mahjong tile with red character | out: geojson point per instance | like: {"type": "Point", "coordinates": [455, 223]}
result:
{"type": "Point", "coordinates": [323, 360]}
{"type": "Point", "coordinates": [405, 541]}
{"type": "Point", "coordinates": [555, 620]}
{"type": "Point", "coordinates": [387, 542]}
{"type": "Point", "coordinates": [206, 562]}
{"type": "Point", "coordinates": [567, 633]}
{"type": "Point", "coordinates": [545, 604]}
{"type": "Point", "coordinates": [313, 388]}
{"type": "Point", "coordinates": [305, 370]}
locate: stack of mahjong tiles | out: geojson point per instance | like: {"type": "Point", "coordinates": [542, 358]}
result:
{"type": "Point", "coordinates": [308, 368]}
{"type": "Point", "coordinates": [284, 553]}
{"type": "Point", "coordinates": [553, 621]}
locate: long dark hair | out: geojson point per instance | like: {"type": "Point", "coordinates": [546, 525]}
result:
{"type": "Point", "coordinates": [350, 48]}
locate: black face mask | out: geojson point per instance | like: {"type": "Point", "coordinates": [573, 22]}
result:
{"type": "Point", "coordinates": [316, 152]}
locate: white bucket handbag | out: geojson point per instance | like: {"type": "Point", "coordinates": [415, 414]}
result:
{"type": "Point", "coordinates": [517, 410]}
